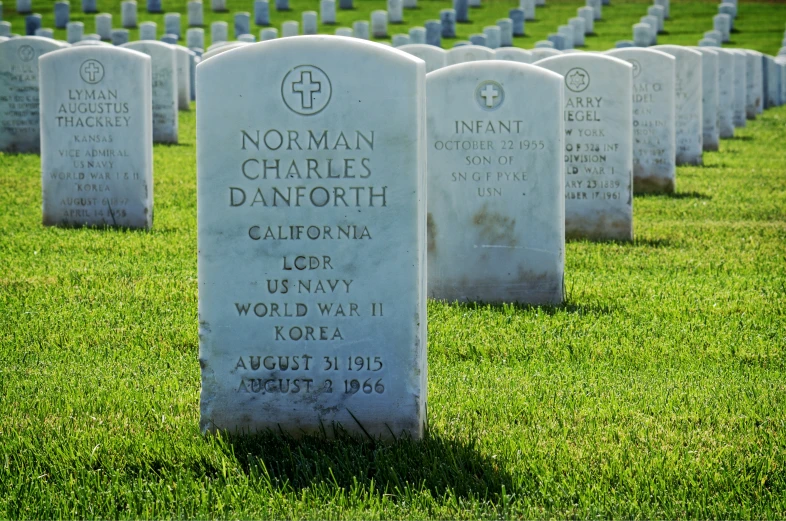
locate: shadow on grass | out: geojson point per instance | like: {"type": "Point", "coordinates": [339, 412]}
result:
{"type": "Point", "coordinates": [344, 462]}
{"type": "Point", "coordinates": [679, 195]}
{"type": "Point", "coordinates": [565, 307]}
{"type": "Point", "coordinates": [738, 138]}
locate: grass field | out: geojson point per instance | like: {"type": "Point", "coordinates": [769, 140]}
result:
{"type": "Point", "coordinates": [657, 391]}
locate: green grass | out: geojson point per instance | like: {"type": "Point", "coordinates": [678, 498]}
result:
{"type": "Point", "coordinates": [657, 391]}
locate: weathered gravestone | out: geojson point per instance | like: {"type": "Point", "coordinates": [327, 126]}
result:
{"type": "Point", "coordinates": [598, 145]}
{"type": "Point", "coordinates": [96, 138]}
{"type": "Point", "coordinates": [434, 57]}
{"type": "Point", "coordinates": [709, 98]}
{"type": "Point", "coordinates": [514, 54]}
{"type": "Point", "coordinates": [468, 53]}
{"type": "Point", "coordinates": [19, 120]}
{"type": "Point", "coordinates": [298, 330]}
{"type": "Point", "coordinates": [688, 103]}
{"type": "Point", "coordinates": [496, 203]}
{"type": "Point", "coordinates": [165, 99]}
{"type": "Point", "coordinates": [654, 134]}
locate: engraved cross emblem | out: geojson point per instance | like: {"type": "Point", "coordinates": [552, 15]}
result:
{"type": "Point", "coordinates": [92, 70]}
{"type": "Point", "coordinates": [306, 88]}
{"type": "Point", "coordinates": [489, 93]}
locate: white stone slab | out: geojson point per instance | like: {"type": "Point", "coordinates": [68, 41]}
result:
{"type": "Point", "coordinates": [753, 100]}
{"type": "Point", "coordinates": [654, 131]}
{"type": "Point", "coordinates": [468, 53]}
{"type": "Point", "coordinates": [740, 87]}
{"type": "Point", "coordinates": [598, 145]}
{"type": "Point", "coordinates": [688, 103]}
{"type": "Point", "coordinates": [165, 99]}
{"type": "Point", "coordinates": [514, 54]}
{"type": "Point", "coordinates": [496, 202]}
{"type": "Point", "coordinates": [772, 86]}
{"type": "Point", "coordinates": [183, 63]}
{"type": "Point", "coordinates": [434, 57]}
{"type": "Point", "coordinates": [19, 122]}
{"type": "Point", "coordinates": [327, 193]}
{"type": "Point", "coordinates": [726, 82]}
{"type": "Point", "coordinates": [96, 137]}
{"type": "Point", "coordinates": [709, 98]}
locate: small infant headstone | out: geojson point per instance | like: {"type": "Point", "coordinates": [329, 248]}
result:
{"type": "Point", "coordinates": [96, 138]}
{"type": "Point", "coordinates": [598, 145]}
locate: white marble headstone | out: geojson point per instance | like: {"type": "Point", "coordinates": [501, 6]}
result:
{"type": "Point", "coordinates": [496, 203]}
{"type": "Point", "coordinates": [468, 53]}
{"type": "Point", "coordinates": [312, 247]}
{"type": "Point", "coordinates": [96, 137]}
{"type": "Point", "coordinates": [753, 101]}
{"type": "Point", "coordinates": [165, 98]}
{"type": "Point", "coordinates": [709, 98]}
{"type": "Point", "coordinates": [434, 57]}
{"type": "Point", "coordinates": [598, 145]}
{"type": "Point", "coordinates": [740, 87]}
{"type": "Point", "coordinates": [726, 83]}
{"type": "Point", "coordinates": [183, 63]}
{"type": "Point", "coordinates": [654, 133]}
{"type": "Point", "coordinates": [688, 104]}
{"type": "Point", "coordinates": [19, 121]}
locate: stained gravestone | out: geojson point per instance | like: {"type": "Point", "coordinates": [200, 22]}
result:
{"type": "Point", "coordinates": [740, 87]}
{"type": "Point", "coordinates": [514, 54]}
{"type": "Point", "coordinates": [96, 138]}
{"type": "Point", "coordinates": [496, 184]}
{"type": "Point", "coordinates": [688, 103]}
{"type": "Point", "coordinates": [164, 76]}
{"type": "Point", "coordinates": [19, 96]}
{"type": "Point", "coordinates": [434, 57]}
{"type": "Point", "coordinates": [726, 84]}
{"type": "Point", "coordinates": [754, 83]}
{"type": "Point", "coordinates": [598, 145]}
{"type": "Point", "coordinates": [183, 63]}
{"type": "Point", "coordinates": [654, 134]}
{"type": "Point", "coordinates": [128, 14]}
{"type": "Point", "coordinates": [298, 331]}
{"type": "Point", "coordinates": [709, 98]}
{"type": "Point", "coordinates": [468, 53]}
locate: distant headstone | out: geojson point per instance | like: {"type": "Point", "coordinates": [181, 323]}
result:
{"type": "Point", "coordinates": [104, 26]}
{"type": "Point", "coordinates": [642, 35]}
{"type": "Point", "coordinates": [24, 6]}
{"type": "Point", "coordinates": [410, 4]}
{"type": "Point", "coordinates": [165, 98]}
{"type": "Point", "coordinates": [654, 133]}
{"type": "Point", "coordinates": [688, 103]}
{"type": "Point", "coordinates": [500, 209]}
{"type": "Point", "coordinates": [709, 98]}
{"type": "Point", "coordinates": [195, 38]}
{"type": "Point", "coordinates": [219, 32]}
{"type": "Point", "coordinates": [379, 24]}
{"type": "Point", "coordinates": [480, 39]}
{"type": "Point", "coordinates": [218, 6]}
{"type": "Point", "coordinates": [417, 35]}
{"type": "Point", "coordinates": [474, 3]}
{"type": "Point", "coordinates": [242, 23]}
{"type": "Point", "coordinates": [731, 11]}
{"type": "Point", "coordinates": [89, 6]}
{"type": "Point", "coordinates": [579, 32]}
{"type": "Point", "coordinates": [196, 13]}
{"type": "Point", "coordinates": [468, 53]}
{"type": "Point", "coordinates": [290, 28]}
{"type": "Point", "coordinates": [345, 4]}
{"type": "Point", "coordinates": [517, 16]}
{"type": "Point", "coordinates": [183, 64]}
{"type": "Point", "coordinates": [399, 40]}
{"type": "Point", "coordinates": [652, 21]}
{"type": "Point", "coordinates": [740, 87]}
{"type": "Point", "coordinates": [434, 57]}
{"type": "Point", "coordinates": [170, 39]}
{"type": "Point", "coordinates": [154, 6]}
{"type": "Point", "coordinates": [19, 100]}
{"type": "Point", "coordinates": [726, 84]}
{"type": "Point", "coordinates": [147, 31]}
{"type": "Point", "coordinates": [722, 24]}
{"type": "Point", "coordinates": [754, 83]}
{"type": "Point", "coordinates": [309, 19]}
{"type": "Point", "coordinates": [327, 12]}
{"type": "Point", "coordinates": [222, 47]}
{"type": "Point", "coordinates": [360, 29]}
{"type": "Point", "coordinates": [448, 19]}
{"type": "Point", "coordinates": [588, 13]}
{"type": "Point", "coordinates": [544, 49]}
{"type": "Point", "coordinates": [347, 32]}
{"type": "Point", "coordinates": [172, 24]}
{"type": "Point", "coordinates": [558, 41]}
{"type": "Point", "coordinates": [75, 31]}
{"type": "Point", "coordinates": [285, 222]}
{"type": "Point", "coordinates": [772, 77]}
{"type": "Point", "coordinates": [96, 157]}
{"type": "Point", "coordinates": [665, 5]}
{"type": "Point", "coordinates": [262, 12]}
{"type": "Point", "coordinates": [62, 14]}
{"type": "Point", "coordinates": [128, 14]}
{"type": "Point", "coordinates": [660, 13]}
{"type": "Point", "coordinates": [493, 36]}
{"type": "Point", "coordinates": [505, 26]}
{"type": "Point", "coordinates": [119, 36]}
{"type": "Point", "coordinates": [598, 145]}
{"type": "Point", "coordinates": [282, 5]}
{"type": "Point", "coordinates": [195, 57]}
{"type": "Point", "coordinates": [567, 33]}
{"type": "Point", "coordinates": [624, 44]}
{"type": "Point", "coordinates": [32, 24]}
{"type": "Point", "coordinates": [461, 7]}
{"type": "Point", "coordinates": [91, 39]}
{"type": "Point", "coordinates": [395, 12]}
{"type": "Point", "coordinates": [5, 29]}
{"type": "Point", "coordinates": [715, 35]}
{"type": "Point", "coordinates": [434, 33]}
{"type": "Point", "coordinates": [45, 32]}
{"type": "Point", "coordinates": [461, 43]}
{"type": "Point", "coordinates": [271, 33]}
{"type": "Point", "coordinates": [597, 9]}
{"type": "Point", "coordinates": [529, 9]}
{"type": "Point", "coordinates": [514, 54]}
